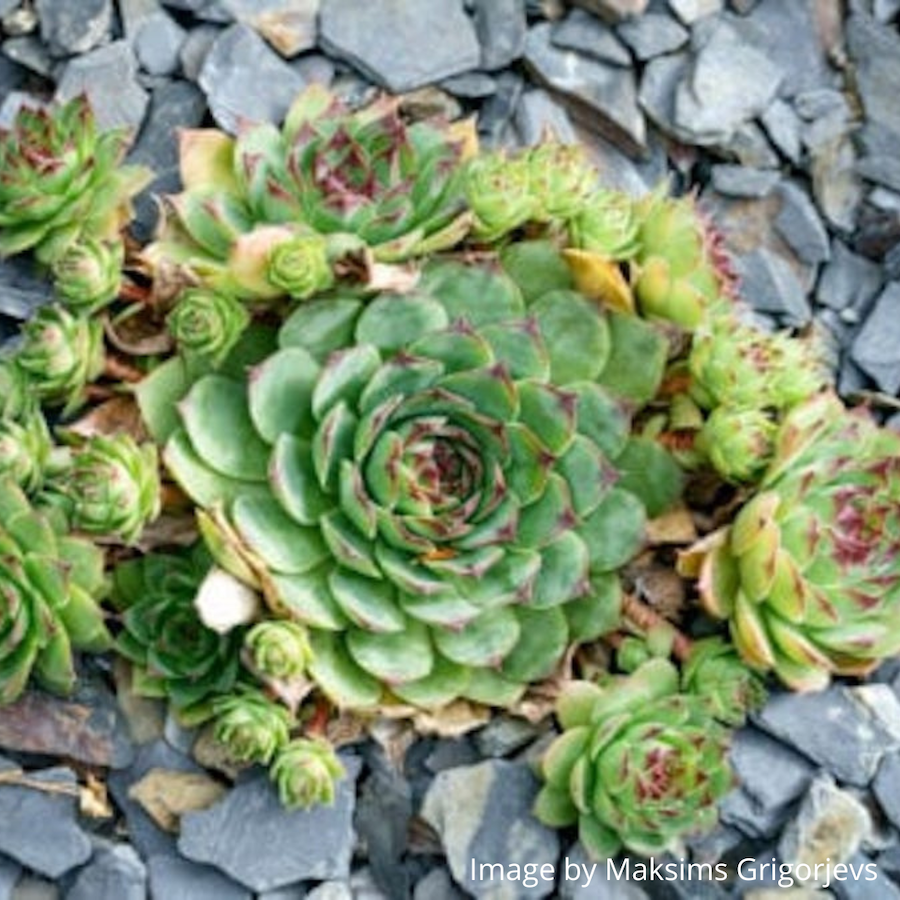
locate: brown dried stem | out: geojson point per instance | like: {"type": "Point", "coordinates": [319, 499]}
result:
{"type": "Point", "coordinates": [644, 618]}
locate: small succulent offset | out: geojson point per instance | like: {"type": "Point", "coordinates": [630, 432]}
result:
{"type": "Point", "coordinates": [250, 726]}
{"type": "Point", "coordinates": [88, 275]}
{"type": "Point", "coordinates": [25, 448]}
{"type": "Point", "coordinates": [60, 355]}
{"type": "Point", "coordinates": [175, 655]}
{"type": "Point", "coordinates": [723, 682]}
{"type": "Point", "coordinates": [681, 272]}
{"type": "Point", "coordinates": [278, 648]}
{"type": "Point", "coordinates": [428, 482]}
{"type": "Point", "coordinates": [109, 486]}
{"type": "Point", "coordinates": [256, 210]}
{"type": "Point", "coordinates": [50, 584]}
{"type": "Point", "coordinates": [808, 574]}
{"type": "Point", "coordinates": [306, 772]}
{"type": "Point", "coordinates": [62, 181]}
{"type": "Point", "coordinates": [207, 324]}
{"type": "Point", "coordinates": [639, 765]}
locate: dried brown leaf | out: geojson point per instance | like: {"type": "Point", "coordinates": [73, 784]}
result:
{"type": "Point", "coordinates": [138, 333]}
{"type": "Point", "coordinates": [167, 794]}
{"type": "Point", "coordinates": [673, 527]}
{"type": "Point", "coordinates": [118, 415]}
{"type": "Point", "coordinates": [171, 529]}
{"type": "Point", "coordinates": [93, 799]}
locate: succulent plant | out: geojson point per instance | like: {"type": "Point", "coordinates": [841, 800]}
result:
{"type": "Point", "coordinates": [607, 225]}
{"type": "Point", "coordinates": [88, 275]}
{"type": "Point", "coordinates": [301, 266]}
{"type": "Point", "coordinates": [306, 772]}
{"type": "Point", "coordinates": [717, 675]}
{"type": "Point", "coordinates": [547, 183]}
{"type": "Point", "coordinates": [25, 446]}
{"type": "Point", "coordinates": [427, 481]}
{"type": "Point", "coordinates": [638, 765]}
{"type": "Point", "coordinates": [808, 574]}
{"type": "Point", "coordinates": [62, 181]}
{"type": "Point", "coordinates": [738, 442]}
{"type": "Point", "coordinates": [207, 324]}
{"type": "Point", "coordinates": [50, 583]}
{"type": "Point", "coordinates": [278, 649]}
{"type": "Point", "coordinates": [252, 207]}
{"type": "Point", "coordinates": [733, 364]}
{"type": "Point", "coordinates": [60, 355]}
{"type": "Point", "coordinates": [682, 272]}
{"type": "Point", "coordinates": [174, 654]}
{"type": "Point", "coordinates": [110, 486]}
{"type": "Point", "coordinates": [250, 726]}
{"type": "Point", "coordinates": [15, 399]}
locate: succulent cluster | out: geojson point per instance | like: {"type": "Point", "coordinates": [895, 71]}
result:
{"type": "Point", "coordinates": [50, 585]}
{"type": "Point", "coordinates": [639, 764]}
{"type": "Point", "coordinates": [422, 403]}
{"type": "Point", "coordinates": [808, 574]}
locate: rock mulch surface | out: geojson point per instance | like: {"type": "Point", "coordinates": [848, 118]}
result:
{"type": "Point", "coordinates": [785, 116]}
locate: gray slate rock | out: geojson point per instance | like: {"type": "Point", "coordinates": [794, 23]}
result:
{"type": "Point", "coordinates": [290, 26]}
{"type": "Point", "coordinates": [879, 888]}
{"type": "Point", "coordinates": [501, 28]}
{"type": "Point", "coordinates": [383, 812]}
{"type": "Point", "coordinates": [195, 48]}
{"type": "Point", "coordinates": [749, 146]}
{"type": "Point", "coordinates": [837, 187]}
{"type": "Point", "coordinates": [31, 53]}
{"type": "Point", "coordinates": [883, 170]}
{"type": "Point", "coordinates": [789, 36]}
{"type": "Point", "coordinates": [496, 113]}
{"type": "Point", "coordinates": [690, 11]}
{"type": "Point", "coordinates": [10, 871]}
{"type": "Point", "coordinates": [863, 725]}
{"type": "Point", "coordinates": [245, 80]}
{"type": "Point", "coordinates": [662, 77]}
{"type": "Point", "coordinates": [537, 113]}
{"type": "Point", "coordinates": [40, 830]}
{"type": "Point", "coordinates": [848, 280]}
{"type": "Point", "coordinates": [504, 735]}
{"type": "Point", "coordinates": [483, 814]}
{"type": "Point", "coordinates": [145, 834]}
{"type": "Point", "coordinates": [875, 348]}
{"type": "Point", "coordinates": [30, 887]}
{"type": "Point", "coordinates": [597, 887]}
{"type": "Point", "coordinates": [652, 35]}
{"type": "Point", "coordinates": [830, 824]}
{"type": "Point", "coordinates": [472, 85]}
{"type": "Point", "coordinates": [254, 839]}
{"type": "Point", "coordinates": [603, 96]}
{"type": "Point", "coordinates": [116, 873]}
{"type": "Point", "coordinates": [158, 44]}
{"type": "Point", "coordinates": [614, 10]}
{"type": "Point", "coordinates": [22, 291]}
{"type": "Point", "coordinates": [109, 78]}
{"type": "Point", "coordinates": [11, 76]}
{"type": "Point", "coordinates": [730, 83]}
{"type": "Point", "coordinates": [799, 224]}
{"type": "Point", "coordinates": [875, 51]}
{"type": "Point", "coordinates": [377, 36]}
{"type": "Point", "coordinates": [68, 28]}
{"type": "Point", "coordinates": [586, 34]}
{"type": "Point", "coordinates": [783, 126]}
{"type": "Point", "coordinates": [740, 810]}
{"type": "Point", "coordinates": [771, 286]}
{"type": "Point", "coordinates": [437, 885]}
{"type": "Point", "coordinates": [174, 105]}
{"type": "Point", "coordinates": [770, 773]}
{"type": "Point", "coordinates": [173, 878]}
{"type": "Point", "coordinates": [741, 181]}
{"type": "Point", "coordinates": [886, 787]}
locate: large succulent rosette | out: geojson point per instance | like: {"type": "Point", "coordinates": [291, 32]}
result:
{"type": "Point", "coordinates": [362, 178]}
{"type": "Point", "coordinates": [428, 481]}
{"type": "Point", "coordinates": [49, 585]}
{"type": "Point", "coordinates": [62, 181]}
{"type": "Point", "coordinates": [638, 765]}
{"type": "Point", "coordinates": [808, 575]}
